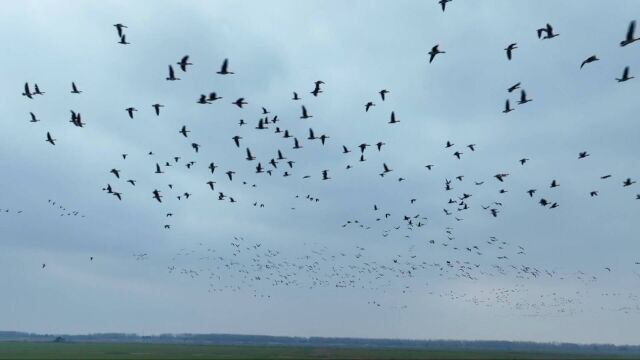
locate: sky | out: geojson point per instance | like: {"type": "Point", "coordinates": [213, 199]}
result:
{"type": "Point", "coordinates": [306, 268]}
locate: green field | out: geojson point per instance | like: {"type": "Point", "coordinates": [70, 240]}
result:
{"type": "Point", "coordinates": [20, 350]}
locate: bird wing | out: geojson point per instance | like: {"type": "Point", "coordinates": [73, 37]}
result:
{"type": "Point", "coordinates": [632, 29]}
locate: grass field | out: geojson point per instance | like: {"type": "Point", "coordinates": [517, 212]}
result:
{"type": "Point", "coordinates": [20, 350]}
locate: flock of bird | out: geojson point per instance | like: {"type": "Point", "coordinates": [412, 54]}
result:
{"type": "Point", "coordinates": [257, 267]}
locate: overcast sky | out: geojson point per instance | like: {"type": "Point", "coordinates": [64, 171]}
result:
{"type": "Point", "coordinates": [194, 277]}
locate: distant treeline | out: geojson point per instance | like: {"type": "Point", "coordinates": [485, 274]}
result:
{"type": "Point", "coordinates": [230, 339]}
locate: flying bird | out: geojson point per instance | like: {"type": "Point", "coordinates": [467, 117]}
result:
{"type": "Point", "coordinates": [625, 75]}
{"type": "Point", "coordinates": [224, 69]}
{"type": "Point", "coordinates": [509, 49]}
{"type": "Point", "coordinates": [589, 60]}
{"type": "Point", "coordinates": [434, 51]}
{"type": "Point", "coordinates": [172, 75]}
{"type": "Point", "coordinates": [50, 140]}
{"type": "Point", "coordinates": [74, 88]}
{"type": "Point", "coordinates": [184, 62]}
{"type": "Point", "coordinates": [630, 38]}
{"type": "Point", "coordinates": [549, 32]}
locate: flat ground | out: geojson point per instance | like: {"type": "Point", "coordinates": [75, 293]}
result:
{"type": "Point", "coordinates": [24, 350]}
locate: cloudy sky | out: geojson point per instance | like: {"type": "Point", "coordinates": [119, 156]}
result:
{"type": "Point", "coordinates": [290, 267]}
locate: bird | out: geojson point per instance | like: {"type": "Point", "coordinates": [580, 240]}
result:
{"type": "Point", "coordinates": [295, 96]}
{"type": "Point", "coordinates": [37, 91]}
{"type": "Point", "coordinates": [382, 93]}
{"type": "Point", "coordinates": [130, 111]}
{"type": "Point", "coordinates": [50, 139]}
{"type": "Point", "coordinates": [224, 69]}
{"type": "Point", "coordinates": [115, 172]}
{"type": "Point", "coordinates": [449, 144]}
{"type": "Point", "coordinates": [457, 154]}
{"type": "Point", "coordinates": [156, 195]}
{"type": "Point", "coordinates": [250, 157]}
{"type": "Point", "coordinates": [211, 183]}
{"type": "Point", "coordinates": [27, 92]}
{"type": "Point", "coordinates": [184, 62]}
{"type": "Point", "coordinates": [523, 98]}
{"type": "Point", "coordinates": [157, 107]}
{"type": "Point", "coordinates": [523, 161]}
{"type": "Point", "coordinates": [628, 182]}
{"type": "Point", "coordinates": [368, 105]}
{"type": "Point", "coordinates": [593, 193]}
{"type": "Point", "coordinates": [33, 118]}
{"type": "Point", "coordinates": [393, 118]}
{"type": "Point", "coordinates": [625, 75]}
{"type": "Point", "coordinates": [325, 175]}
{"type": "Point", "coordinates": [531, 192]}
{"type": "Point", "coordinates": [386, 168]}
{"type": "Point", "coordinates": [305, 114]}
{"type": "Point", "coordinates": [630, 38]}
{"type": "Point", "coordinates": [379, 145]}
{"type": "Point", "coordinates": [74, 88]}
{"type": "Point", "coordinates": [230, 174]}
{"type": "Point", "coordinates": [429, 167]}
{"type": "Point", "coordinates": [311, 135]}
{"type": "Point", "coordinates": [507, 107]}
{"type": "Point", "coordinates": [588, 60]}
{"type": "Point", "coordinates": [236, 140]}
{"type": "Point", "coordinates": [443, 4]}
{"type": "Point", "coordinates": [296, 144]}
{"type": "Point", "coordinates": [509, 49]}
{"type": "Point", "coordinates": [554, 183]}
{"type": "Point", "coordinates": [195, 146]}
{"type": "Point", "coordinates": [240, 102]}
{"type": "Point", "coordinates": [434, 51]}
{"type": "Point", "coordinates": [514, 87]}
{"type": "Point", "coordinates": [172, 75]}
{"type": "Point", "coordinates": [184, 131]}
{"type": "Point", "coordinates": [583, 154]}
{"type": "Point", "coordinates": [549, 32]}
{"type": "Point", "coordinates": [472, 147]}
{"type": "Point", "coordinates": [158, 170]}
{"type": "Point", "coordinates": [119, 28]}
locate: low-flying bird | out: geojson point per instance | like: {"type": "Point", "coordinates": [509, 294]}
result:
{"type": "Point", "coordinates": [589, 60]}
{"type": "Point", "coordinates": [434, 51]}
{"type": "Point", "coordinates": [509, 49]}
{"type": "Point", "coordinates": [630, 38]}
{"type": "Point", "coordinates": [224, 69]}
{"type": "Point", "coordinates": [184, 62]}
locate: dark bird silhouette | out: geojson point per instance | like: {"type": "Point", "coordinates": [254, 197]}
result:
{"type": "Point", "coordinates": [382, 93]}
{"type": "Point", "coordinates": [224, 69]}
{"type": "Point", "coordinates": [158, 170]}
{"type": "Point", "coordinates": [123, 40]}
{"type": "Point", "coordinates": [523, 98]}
{"type": "Point", "coordinates": [429, 167]}
{"type": "Point", "coordinates": [368, 105]}
{"type": "Point", "coordinates": [630, 38]}
{"type": "Point", "coordinates": [593, 193]}
{"type": "Point", "coordinates": [472, 147]}
{"type": "Point", "coordinates": [457, 154]}
{"type": "Point", "coordinates": [296, 144]}
{"type": "Point", "coordinates": [130, 111]}
{"type": "Point", "coordinates": [172, 75]}
{"type": "Point", "coordinates": [583, 154]}
{"type": "Point", "coordinates": [27, 92]}
{"type": "Point", "coordinates": [156, 195]}
{"type": "Point", "coordinates": [393, 118]}
{"type": "Point", "coordinates": [230, 174]}
{"type": "Point", "coordinates": [325, 175]}
{"type": "Point", "coordinates": [240, 102]}
{"type": "Point", "coordinates": [184, 62]}
{"type": "Point", "coordinates": [211, 183]}
{"type": "Point", "coordinates": [115, 172]}
{"type": "Point", "coordinates": [507, 107]}
{"type": "Point", "coordinates": [549, 32]}
{"type": "Point", "coordinates": [184, 131]}
{"type": "Point", "coordinates": [305, 114]}
{"type": "Point", "coordinates": [50, 140]}
{"type": "Point", "coordinates": [236, 140]}
{"type": "Point", "coordinates": [157, 107]}
{"type": "Point", "coordinates": [195, 147]}
{"type": "Point", "coordinates": [589, 60]}
{"type": "Point", "coordinates": [554, 183]}
{"type": "Point", "coordinates": [509, 49]}
{"type": "Point", "coordinates": [119, 28]}
{"type": "Point", "coordinates": [212, 167]}
{"type": "Point", "coordinates": [523, 161]}
{"type": "Point", "coordinates": [531, 192]}
{"type": "Point", "coordinates": [625, 75]}
{"type": "Point", "coordinates": [514, 87]}
{"type": "Point", "coordinates": [345, 150]}
{"type": "Point", "coordinates": [434, 51]}
{"type": "Point", "coordinates": [74, 88]}
{"type": "Point", "coordinates": [33, 118]}
{"type": "Point", "coordinates": [213, 97]}
{"type": "Point", "coordinates": [250, 157]}
{"type": "Point", "coordinates": [628, 182]}
{"type": "Point", "coordinates": [449, 144]}
{"type": "Point", "coordinates": [295, 96]}
{"type": "Point", "coordinates": [443, 4]}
